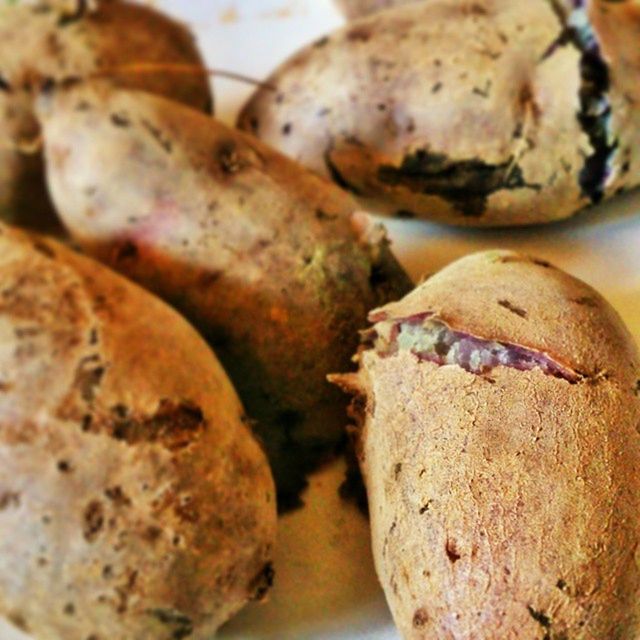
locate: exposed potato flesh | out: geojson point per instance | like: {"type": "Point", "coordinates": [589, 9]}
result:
{"type": "Point", "coordinates": [484, 113]}
{"type": "Point", "coordinates": [498, 414]}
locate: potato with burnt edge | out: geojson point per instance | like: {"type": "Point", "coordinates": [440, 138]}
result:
{"type": "Point", "coordinates": [483, 113]}
{"type": "Point", "coordinates": [498, 418]}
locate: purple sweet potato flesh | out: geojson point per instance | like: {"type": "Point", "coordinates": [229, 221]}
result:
{"type": "Point", "coordinates": [432, 340]}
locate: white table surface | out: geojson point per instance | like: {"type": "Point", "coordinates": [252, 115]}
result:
{"type": "Point", "coordinates": [326, 587]}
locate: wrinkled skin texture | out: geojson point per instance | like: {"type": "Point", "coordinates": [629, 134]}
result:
{"type": "Point", "coordinates": [484, 113]}
{"type": "Point", "coordinates": [56, 44]}
{"type": "Point", "coordinates": [358, 8]}
{"type": "Point", "coordinates": [504, 502]}
{"type": "Point", "coordinates": [265, 258]}
{"type": "Point", "coordinates": [138, 502]}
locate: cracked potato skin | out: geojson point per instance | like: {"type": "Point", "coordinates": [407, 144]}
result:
{"type": "Point", "coordinates": [39, 46]}
{"type": "Point", "coordinates": [139, 504]}
{"type": "Point", "coordinates": [265, 258]}
{"type": "Point", "coordinates": [469, 113]}
{"type": "Point", "coordinates": [505, 505]}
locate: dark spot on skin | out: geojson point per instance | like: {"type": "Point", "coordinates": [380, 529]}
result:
{"type": "Point", "coordinates": [359, 34]}
{"type": "Point", "coordinates": [93, 520]}
{"type": "Point", "coordinates": [207, 279]}
{"type": "Point", "coordinates": [227, 157]}
{"type": "Point", "coordinates": [637, 388]}
{"type": "Point", "coordinates": [465, 183]}
{"type": "Point", "coordinates": [511, 307]}
{"type": "Point", "coordinates": [254, 124]}
{"type": "Point", "coordinates": [420, 618]}
{"type": "Point", "coordinates": [286, 129]}
{"type": "Point", "coordinates": [561, 584]}
{"type": "Point", "coordinates": [64, 466]}
{"type": "Point", "coordinates": [452, 551]}
{"type": "Point", "coordinates": [86, 423]}
{"type": "Point", "coordinates": [127, 250]}
{"type": "Point", "coordinates": [174, 425]}
{"type": "Point", "coordinates": [426, 508]}
{"type": "Point", "coordinates": [322, 42]}
{"type": "Point", "coordinates": [186, 510]}
{"type": "Point", "coordinates": [19, 621]}
{"type": "Point", "coordinates": [120, 120]}
{"type": "Point", "coordinates": [586, 301]}
{"type": "Point", "coordinates": [69, 17]}
{"type": "Point", "coordinates": [483, 92]}
{"type": "Point", "coordinates": [69, 609]}
{"type": "Point", "coordinates": [4, 85]}
{"type": "Point", "coordinates": [107, 572]}
{"type": "Point", "coordinates": [261, 584]}
{"type": "Point", "coordinates": [157, 135]}
{"type": "Point", "coordinates": [88, 377]}
{"type": "Point", "coordinates": [118, 496]}
{"type": "Point", "coordinates": [397, 470]}
{"type": "Point", "coordinates": [321, 214]}
{"type": "Point", "coordinates": [436, 87]}
{"type": "Point", "coordinates": [180, 625]}
{"type": "Point", "coordinates": [539, 617]}
{"type": "Point", "coordinates": [9, 499]}
{"type": "Point", "coordinates": [42, 247]}
{"type": "Point", "coordinates": [152, 533]}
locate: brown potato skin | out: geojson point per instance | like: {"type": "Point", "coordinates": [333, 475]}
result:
{"type": "Point", "coordinates": [506, 505]}
{"type": "Point", "coordinates": [358, 8]}
{"type": "Point", "coordinates": [38, 46]}
{"type": "Point", "coordinates": [455, 111]}
{"type": "Point", "coordinates": [138, 502]}
{"type": "Point", "coordinates": [265, 258]}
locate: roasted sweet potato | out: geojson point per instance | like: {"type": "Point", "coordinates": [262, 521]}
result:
{"type": "Point", "coordinates": [499, 415]}
{"type": "Point", "coordinates": [135, 501]}
{"type": "Point", "coordinates": [265, 258]}
{"type": "Point", "coordinates": [484, 113]}
{"type": "Point", "coordinates": [44, 42]}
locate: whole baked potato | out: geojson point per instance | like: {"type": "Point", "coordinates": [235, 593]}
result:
{"type": "Point", "coordinates": [484, 113]}
{"type": "Point", "coordinates": [498, 428]}
{"type": "Point", "coordinates": [46, 42]}
{"type": "Point", "coordinates": [269, 261]}
{"type": "Point", "coordinates": [134, 501]}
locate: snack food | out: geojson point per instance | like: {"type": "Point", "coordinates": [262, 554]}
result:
{"type": "Point", "coordinates": [498, 410]}
{"type": "Point", "coordinates": [136, 502]}
{"type": "Point", "coordinates": [487, 113]}
{"type": "Point", "coordinates": [48, 42]}
{"type": "Point", "coordinates": [268, 260]}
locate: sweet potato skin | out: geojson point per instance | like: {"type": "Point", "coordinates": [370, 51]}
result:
{"type": "Point", "coordinates": [358, 8]}
{"type": "Point", "coordinates": [138, 502]}
{"type": "Point", "coordinates": [266, 259]}
{"type": "Point", "coordinates": [38, 46]}
{"type": "Point", "coordinates": [505, 505]}
{"type": "Point", "coordinates": [473, 114]}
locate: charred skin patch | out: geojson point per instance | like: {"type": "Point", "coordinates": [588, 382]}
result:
{"type": "Point", "coordinates": [180, 625]}
{"type": "Point", "coordinates": [430, 340]}
{"type": "Point", "coordinates": [175, 425]}
{"type": "Point", "coordinates": [465, 183]}
{"type": "Point", "coordinates": [595, 107]}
